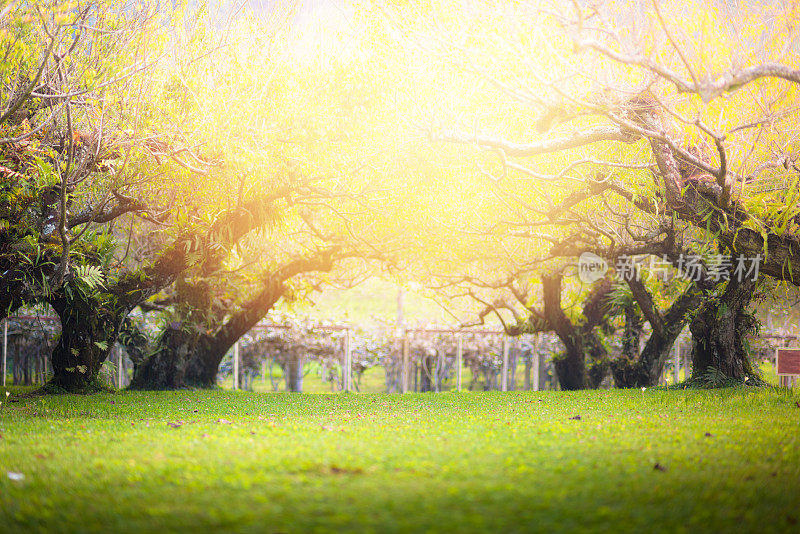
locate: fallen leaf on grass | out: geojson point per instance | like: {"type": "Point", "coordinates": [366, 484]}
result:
{"type": "Point", "coordinates": [345, 471]}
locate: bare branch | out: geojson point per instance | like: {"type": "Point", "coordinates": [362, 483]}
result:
{"type": "Point", "coordinates": [23, 96]}
{"type": "Point", "coordinates": [727, 82]}
{"type": "Point", "coordinates": [646, 304]}
{"type": "Point", "coordinates": [593, 135]}
{"type": "Point", "coordinates": [10, 140]}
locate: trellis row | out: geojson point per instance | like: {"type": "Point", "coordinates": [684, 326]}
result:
{"type": "Point", "coordinates": [406, 371]}
{"type": "Point", "coordinates": [348, 358]}
{"type": "Point", "coordinates": [678, 358]}
{"type": "Point", "coordinates": [347, 366]}
{"type": "Point", "coordinates": [31, 318]}
{"type": "Point", "coordinates": [48, 319]}
{"type": "Point", "coordinates": [405, 378]}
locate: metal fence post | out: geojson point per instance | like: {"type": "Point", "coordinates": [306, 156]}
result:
{"type": "Point", "coordinates": [348, 361]}
{"type": "Point", "coordinates": [459, 360]}
{"type": "Point", "coordinates": [676, 362]}
{"type": "Point", "coordinates": [536, 341]}
{"type": "Point", "coordinates": [687, 364]}
{"type": "Point", "coordinates": [5, 350]}
{"type": "Point", "coordinates": [504, 378]}
{"type": "Point", "coordinates": [119, 369]}
{"type": "Point", "coordinates": [404, 377]}
{"type": "Point", "coordinates": [236, 365]}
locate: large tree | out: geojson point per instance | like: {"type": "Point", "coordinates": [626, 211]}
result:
{"type": "Point", "coordinates": [615, 136]}
{"type": "Point", "coordinates": [71, 169]}
{"type": "Point", "coordinates": [330, 224]}
{"type": "Point", "coordinates": [115, 172]}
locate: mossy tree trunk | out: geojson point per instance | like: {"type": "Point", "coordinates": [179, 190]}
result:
{"type": "Point", "coordinates": [580, 341]}
{"type": "Point", "coordinates": [91, 318]}
{"type": "Point", "coordinates": [188, 353]}
{"type": "Point", "coordinates": [89, 330]}
{"type": "Point", "coordinates": [427, 380]}
{"type": "Point", "coordinates": [719, 332]}
{"type": "Point", "coordinates": [625, 369]}
{"type": "Point", "coordinates": [176, 362]}
{"type": "Point", "coordinates": [527, 374]}
{"type": "Point", "coordinates": [643, 369]}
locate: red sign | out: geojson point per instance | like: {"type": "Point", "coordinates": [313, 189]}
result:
{"type": "Point", "coordinates": [789, 361]}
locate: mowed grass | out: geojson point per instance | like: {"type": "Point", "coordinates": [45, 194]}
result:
{"type": "Point", "coordinates": [647, 461]}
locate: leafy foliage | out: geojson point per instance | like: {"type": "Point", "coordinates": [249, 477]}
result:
{"type": "Point", "coordinates": [90, 275]}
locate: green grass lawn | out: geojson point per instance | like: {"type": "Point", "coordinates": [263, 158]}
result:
{"type": "Point", "coordinates": [647, 461]}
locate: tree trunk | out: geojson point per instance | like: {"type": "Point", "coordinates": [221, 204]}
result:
{"type": "Point", "coordinates": [571, 364]}
{"type": "Point", "coordinates": [183, 358]}
{"type": "Point", "coordinates": [426, 379]}
{"type": "Point", "coordinates": [580, 340]}
{"type": "Point", "coordinates": [90, 325]}
{"type": "Point", "coordinates": [293, 373]}
{"type": "Point", "coordinates": [599, 363]}
{"type": "Point", "coordinates": [89, 329]}
{"type": "Point", "coordinates": [626, 369]}
{"type": "Point", "coordinates": [643, 369]}
{"type": "Point", "coordinates": [166, 367]}
{"type": "Point", "coordinates": [719, 330]}
{"type": "Point", "coordinates": [528, 368]}
{"type": "Point", "coordinates": [571, 369]}
{"type": "Point", "coordinates": [512, 369]}
{"type": "Point", "coordinates": [544, 374]}
{"type": "Point", "coordinates": [188, 356]}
